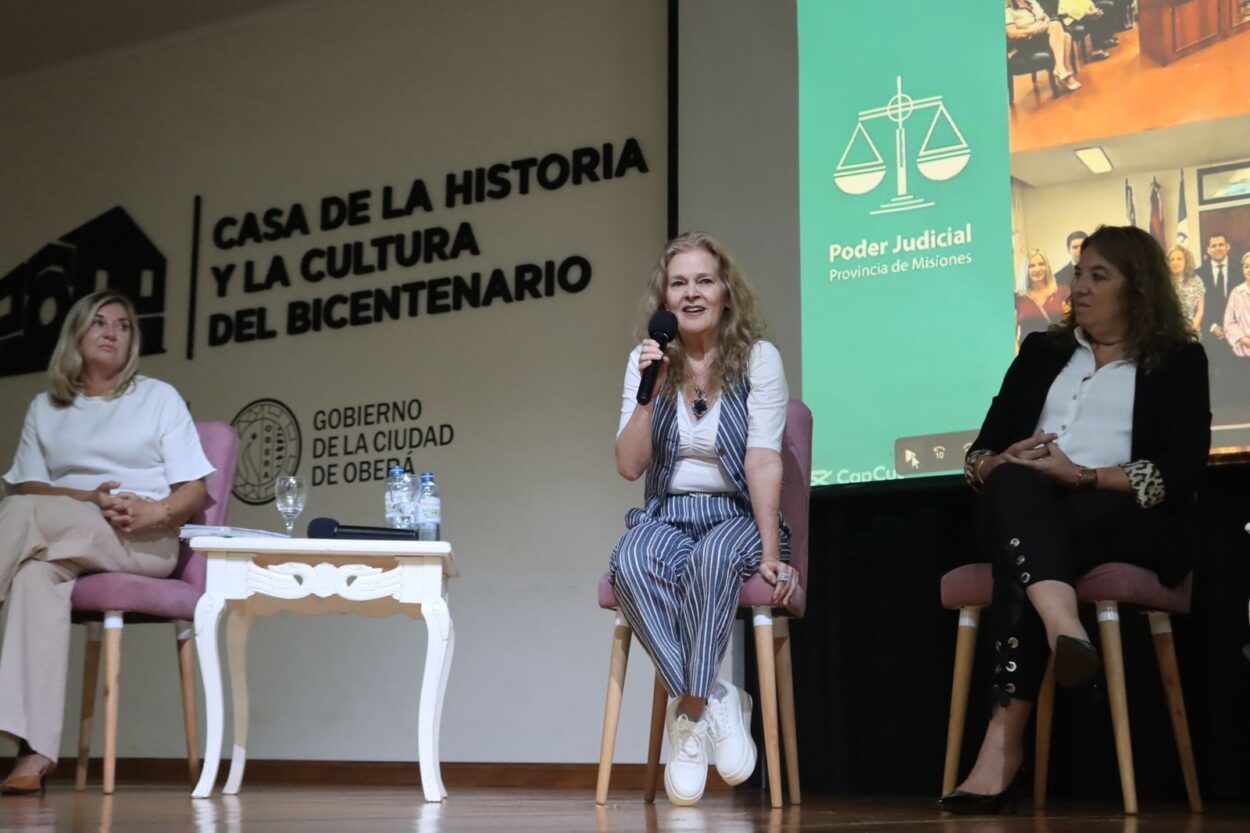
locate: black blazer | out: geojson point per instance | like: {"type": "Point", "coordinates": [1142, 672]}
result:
{"type": "Point", "coordinates": [1171, 427]}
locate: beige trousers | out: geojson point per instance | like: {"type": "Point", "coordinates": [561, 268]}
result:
{"type": "Point", "coordinates": [45, 543]}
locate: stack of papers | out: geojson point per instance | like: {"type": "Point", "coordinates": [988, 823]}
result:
{"type": "Point", "coordinates": [190, 531]}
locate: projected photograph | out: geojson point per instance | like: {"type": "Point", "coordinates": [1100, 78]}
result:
{"type": "Point", "coordinates": [1182, 184]}
{"type": "Point", "coordinates": [1083, 69]}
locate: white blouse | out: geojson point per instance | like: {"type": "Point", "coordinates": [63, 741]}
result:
{"type": "Point", "coordinates": [1092, 410]}
{"type": "Point", "coordinates": [698, 467]}
{"type": "Point", "coordinates": [144, 439]}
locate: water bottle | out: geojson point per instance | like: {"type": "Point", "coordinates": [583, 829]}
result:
{"type": "Point", "coordinates": [429, 509]}
{"type": "Point", "coordinates": [398, 499]}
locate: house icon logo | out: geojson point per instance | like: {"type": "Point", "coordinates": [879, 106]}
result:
{"type": "Point", "coordinates": [108, 252]}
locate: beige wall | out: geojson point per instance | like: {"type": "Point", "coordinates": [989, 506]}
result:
{"type": "Point", "coordinates": [323, 98]}
{"type": "Point", "coordinates": [738, 149]}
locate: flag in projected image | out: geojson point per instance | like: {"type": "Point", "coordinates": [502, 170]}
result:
{"type": "Point", "coordinates": [1156, 210]}
{"type": "Point", "coordinates": [1128, 204]}
{"type": "Point", "coordinates": [1182, 218]}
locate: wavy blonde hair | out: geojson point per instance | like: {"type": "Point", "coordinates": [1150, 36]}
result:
{"type": "Point", "coordinates": [1052, 285]}
{"type": "Point", "coordinates": [740, 324]}
{"type": "Point", "coordinates": [65, 369]}
{"type": "Point", "coordinates": [1191, 265]}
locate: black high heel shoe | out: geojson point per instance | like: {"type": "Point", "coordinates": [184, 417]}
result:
{"type": "Point", "coordinates": [977, 804]}
{"type": "Point", "coordinates": [1077, 662]}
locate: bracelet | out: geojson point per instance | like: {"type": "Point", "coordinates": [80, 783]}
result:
{"type": "Point", "coordinates": [1086, 479]}
{"type": "Point", "coordinates": [169, 513]}
{"type": "Point", "coordinates": [978, 465]}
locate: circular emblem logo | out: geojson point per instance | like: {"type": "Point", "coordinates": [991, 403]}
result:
{"type": "Point", "coordinates": [269, 445]}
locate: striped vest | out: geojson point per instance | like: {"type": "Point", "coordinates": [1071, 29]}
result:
{"type": "Point", "coordinates": [731, 448]}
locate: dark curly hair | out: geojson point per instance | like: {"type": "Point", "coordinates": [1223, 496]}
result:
{"type": "Point", "coordinates": [1157, 325]}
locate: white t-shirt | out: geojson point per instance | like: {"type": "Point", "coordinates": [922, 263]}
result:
{"type": "Point", "coordinates": [698, 467]}
{"type": "Point", "coordinates": [1092, 411]}
{"type": "Point", "coordinates": [144, 439]}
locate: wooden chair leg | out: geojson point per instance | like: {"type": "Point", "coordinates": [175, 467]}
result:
{"type": "Point", "coordinates": [184, 635]}
{"type": "Point", "coordinates": [1165, 651]}
{"type": "Point", "coordinates": [785, 701]}
{"type": "Point", "coordinates": [113, 621]}
{"type": "Point", "coordinates": [1041, 751]}
{"type": "Point", "coordinates": [621, 636]}
{"type": "Point", "coordinates": [763, 620]}
{"type": "Point", "coordinates": [655, 738]}
{"type": "Point", "coordinates": [90, 683]}
{"type": "Point", "coordinates": [965, 650]}
{"type": "Point", "coordinates": [1117, 693]}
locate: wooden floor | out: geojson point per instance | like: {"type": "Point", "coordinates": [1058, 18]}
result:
{"type": "Point", "coordinates": [312, 810]}
{"type": "Point", "coordinates": [1128, 93]}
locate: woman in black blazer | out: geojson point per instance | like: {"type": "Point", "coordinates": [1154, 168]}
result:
{"type": "Point", "coordinates": [1090, 453]}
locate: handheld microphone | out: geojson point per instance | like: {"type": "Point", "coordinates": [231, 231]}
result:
{"type": "Point", "coordinates": [663, 329]}
{"type": "Point", "coordinates": [330, 528]}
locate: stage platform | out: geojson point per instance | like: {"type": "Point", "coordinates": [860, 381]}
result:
{"type": "Point", "coordinates": [164, 809]}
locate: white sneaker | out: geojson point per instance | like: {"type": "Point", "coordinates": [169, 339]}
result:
{"type": "Point", "coordinates": [729, 727]}
{"type": "Point", "coordinates": [685, 774]}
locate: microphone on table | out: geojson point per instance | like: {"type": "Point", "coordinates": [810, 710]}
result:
{"type": "Point", "coordinates": [663, 329]}
{"type": "Point", "coordinates": [330, 528]}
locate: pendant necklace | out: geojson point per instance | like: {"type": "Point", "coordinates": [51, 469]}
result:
{"type": "Point", "coordinates": [700, 403]}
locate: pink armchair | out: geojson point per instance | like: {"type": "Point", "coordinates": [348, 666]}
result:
{"type": "Point", "coordinates": [970, 588]}
{"type": "Point", "coordinates": [105, 601]}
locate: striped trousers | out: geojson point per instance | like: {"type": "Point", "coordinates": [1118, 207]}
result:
{"type": "Point", "coordinates": [677, 575]}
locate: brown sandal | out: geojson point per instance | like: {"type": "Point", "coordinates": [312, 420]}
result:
{"type": "Point", "coordinates": [27, 784]}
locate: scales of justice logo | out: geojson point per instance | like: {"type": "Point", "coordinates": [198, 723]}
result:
{"type": "Point", "coordinates": [943, 154]}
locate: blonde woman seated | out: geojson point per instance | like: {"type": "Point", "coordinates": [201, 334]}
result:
{"type": "Point", "coordinates": [1025, 19]}
{"type": "Point", "coordinates": [709, 443]}
{"type": "Point", "coordinates": [108, 465]}
{"type": "Point", "coordinates": [1189, 286]}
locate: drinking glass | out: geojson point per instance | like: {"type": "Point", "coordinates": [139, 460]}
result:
{"type": "Point", "coordinates": [401, 503]}
{"type": "Point", "coordinates": [289, 493]}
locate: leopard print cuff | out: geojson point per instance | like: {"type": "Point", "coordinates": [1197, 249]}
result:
{"type": "Point", "coordinates": [1146, 481]}
{"type": "Point", "coordinates": [970, 466]}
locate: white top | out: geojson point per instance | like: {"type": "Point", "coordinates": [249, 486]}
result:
{"type": "Point", "coordinates": [698, 467]}
{"type": "Point", "coordinates": [144, 439]}
{"type": "Point", "coordinates": [1092, 411]}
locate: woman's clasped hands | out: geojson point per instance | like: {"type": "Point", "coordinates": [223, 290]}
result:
{"type": "Point", "coordinates": [1040, 453]}
{"type": "Point", "coordinates": [127, 511]}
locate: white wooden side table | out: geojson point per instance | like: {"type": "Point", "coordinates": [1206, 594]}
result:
{"type": "Point", "coordinates": [262, 576]}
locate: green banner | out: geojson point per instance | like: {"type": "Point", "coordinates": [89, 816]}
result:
{"type": "Point", "coordinates": [905, 217]}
